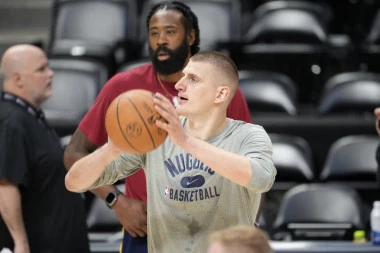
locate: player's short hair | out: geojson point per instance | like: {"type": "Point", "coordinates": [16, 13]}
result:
{"type": "Point", "coordinates": [242, 238]}
{"type": "Point", "coordinates": [228, 67]}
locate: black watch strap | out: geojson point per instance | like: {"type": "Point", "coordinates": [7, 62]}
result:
{"type": "Point", "coordinates": [111, 197]}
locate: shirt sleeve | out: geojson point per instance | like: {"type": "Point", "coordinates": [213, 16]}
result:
{"type": "Point", "coordinates": [257, 147]}
{"type": "Point", "coordinates": [123, 166]}
{"type": "Point", "coordinates": [13, 155]}
{"type": "Point", "coordinates": [238, 108]}
{"type": "Point", "coordinates": [93, 123]}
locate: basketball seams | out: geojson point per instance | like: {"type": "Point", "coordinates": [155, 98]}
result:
{"type": "Point", "coordinates": [130, 122]}
{"type": "Point", "coordinates": [142, 119]}
{"type": "Point", "coordinates": [119, 124]}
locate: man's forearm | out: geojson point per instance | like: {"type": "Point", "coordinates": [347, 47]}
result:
{"type": "Point", "coordinates": [11, 212]}
{"type": "Point", "coordinates": [232, 166]}
{"type": "Point", "coordinates": [87, 170]}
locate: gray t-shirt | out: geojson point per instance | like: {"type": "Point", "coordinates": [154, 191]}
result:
{"type": "Point", "coordinates": [187, 200]}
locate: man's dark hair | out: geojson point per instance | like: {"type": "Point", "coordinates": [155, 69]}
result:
{"type": "Point", "coordinates": [190, 20]}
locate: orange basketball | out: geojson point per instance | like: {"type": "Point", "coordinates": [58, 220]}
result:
{"type": "Point", "coordinates": [131, 122]}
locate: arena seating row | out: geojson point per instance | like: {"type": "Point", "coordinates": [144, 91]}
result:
{"type": "Point", "coordinates": [290, 37]}
{"type": "Point", "coordinates": [345, 108]}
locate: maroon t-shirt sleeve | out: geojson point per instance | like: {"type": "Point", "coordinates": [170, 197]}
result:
{"type": "Point", "coordinates": [238, 108]}
{"type": "Point", "coordinates": [93, 123]}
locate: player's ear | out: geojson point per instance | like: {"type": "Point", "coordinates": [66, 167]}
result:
{"type": "Point", "coordinates": [222, 93]}
{"type": "Point", "coordinates": [17, 79]}
{"type": "Point", "coordinates": [191, 37]}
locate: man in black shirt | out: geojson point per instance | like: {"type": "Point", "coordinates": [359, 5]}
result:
{"type": "Point", "coordinates": [38, 214]}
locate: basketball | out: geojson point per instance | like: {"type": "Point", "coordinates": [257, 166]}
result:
{"type": "Point", "coordinates": [131, 122]}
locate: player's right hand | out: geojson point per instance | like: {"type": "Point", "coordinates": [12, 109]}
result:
{"type": "Point", "coordinates": [132, 214]}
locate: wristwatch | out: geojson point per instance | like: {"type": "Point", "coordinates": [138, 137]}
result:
{"type": "Point", "coordinates": [112, 197]}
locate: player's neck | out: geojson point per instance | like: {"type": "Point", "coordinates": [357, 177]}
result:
{"type": "Point", "coordinates": [207, 127]}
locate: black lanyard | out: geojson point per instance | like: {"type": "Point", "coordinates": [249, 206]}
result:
{"type": "Point", "coordinates": [37, 114]}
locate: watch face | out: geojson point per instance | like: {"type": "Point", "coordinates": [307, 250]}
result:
{"type": "Point", "coordinates": [110, 197]}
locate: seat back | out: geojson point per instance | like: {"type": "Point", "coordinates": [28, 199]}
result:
{"type": "Point", "coordinates": [352, 159]}
{"type": "Point", "coordinates": [319, 212]}
{"type": "Point", "coordinates": [356, 92]}
{"type": "Point", "coordinates": [293, 159]}
{"type": "Point", "coordinates": [289, 22]}
{"type": "Point", "coordinates": [295, 35]}
{"type": "Point", "coordinates": [373, 37]}
{"type": "Point", "coordinates": [92, 28]}
{"type": "Point", "coordinates": [76, 84]}
{"type": "Point", "coordinates": [267, 91]}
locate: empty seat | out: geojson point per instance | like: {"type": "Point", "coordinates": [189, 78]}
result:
{"type": "Point", "coordinates": [352, 159]}
{"type": "Point", "coordinates": [373, 37]}
{"type": "Point", "coordinates": [289, 37]}
{"type": "Point", "coordinates": [370, 45]}
{"type": "Point", "coordinates": [76, 84]}
{"type": "Point", "coordinates": [293, 159]}
{"type": "Point", "coordinates": [267, 91]}
{"type": "Point", "coordinates": [319, 212]}
{"type": "Point", "coordinates": [354, 92]}
{"type": "Point", "coordinates": [93, 28]}
{"type": "Point", "coordinates": [289, 22]}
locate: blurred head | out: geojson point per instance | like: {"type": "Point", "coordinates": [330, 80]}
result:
{"type": "Point", "coordinates": [209, 80]}
{"type": "Point", "coordinates": [239, 239]}
{"type": "Point", "coordinates": [26, 73]}
{"type": "Point", "coordinates": [173, 36]}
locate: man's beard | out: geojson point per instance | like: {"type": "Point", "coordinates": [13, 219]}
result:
{"type": "Point", "coordinates": [174, 63]}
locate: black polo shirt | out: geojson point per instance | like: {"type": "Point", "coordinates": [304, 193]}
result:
{"type": "Point", "coordinates": [32, 158]}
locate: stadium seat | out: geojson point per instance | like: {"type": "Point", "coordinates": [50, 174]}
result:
{"type": "Point", "coordinates": [268, 92]}
{"type": "Point", "coordinates": [354, 92]}
{"type": "Point", "coordinates": [289, 22]}
{"type": "Point", "coordinates": [351, 160]}
{"type": "Point", "coordinates": [290, 37]}
{"type": "Point", "coordinates": [293, 160]}
{"type": "Point", "coordinates": [369, 46]}
{"type": "Point", "coordinates": [101, 29]}
{"type": "Point", "coordinates": [319, 212]}
{"type": "Point", "coordinates": [76, 84]}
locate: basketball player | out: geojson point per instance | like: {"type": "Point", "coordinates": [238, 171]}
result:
{"type": "Point", "coordinates": [208, 175]}
{"type": "Point", "coordinates": [173, 38]}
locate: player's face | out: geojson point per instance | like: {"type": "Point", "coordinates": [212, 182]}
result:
{"type": "Point", "coordinates": [37, 78]}
{"type": "Point", "coordinates": [168, 43]}
{"type": "Point", "coordinates": [197, 89]}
